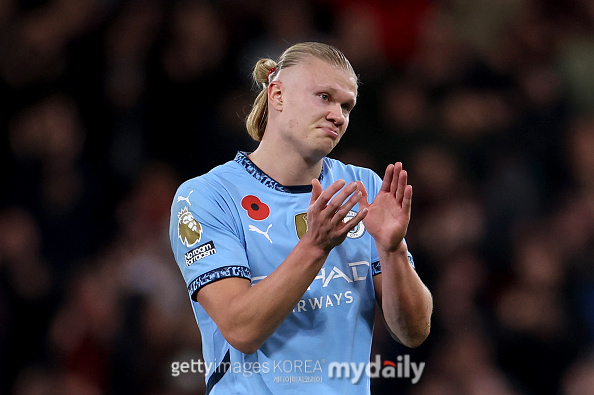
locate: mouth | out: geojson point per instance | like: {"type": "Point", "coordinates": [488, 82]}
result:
{"type": "Point", "coordinates": [331, 132]}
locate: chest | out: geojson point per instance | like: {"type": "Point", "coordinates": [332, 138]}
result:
{"type": "Point", "coordinates": [272, 228]}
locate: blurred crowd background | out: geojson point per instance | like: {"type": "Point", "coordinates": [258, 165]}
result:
{"type": "Point", "coordinates": [108, 105]}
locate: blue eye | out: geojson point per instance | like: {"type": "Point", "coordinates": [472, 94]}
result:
{"type": "Point", "coordinates": [325, 96]}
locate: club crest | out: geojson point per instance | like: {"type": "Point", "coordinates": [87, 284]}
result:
{"type": "Point", "coordinates": [301, 225]}
{"type": "Point", "coordinates": [358, 230]}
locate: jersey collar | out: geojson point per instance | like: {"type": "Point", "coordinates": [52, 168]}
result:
{"type": "Point", "coordinates": [258, 174]}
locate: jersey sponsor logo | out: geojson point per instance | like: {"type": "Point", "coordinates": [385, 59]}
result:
{"type": "Point", "coordinates": [189, 230]}
{"type": "Point", "coordinates": [200, 252]}
{"type": "Point", "coordinates": [301, 225]}
{"type": "Point", "coordinates": [256, 209]}
{"type": "Point", "coordinates": [257, 230]}
{"type": "Point", "coordinates": [358, 272]}
{"type": "Point", "coordinates": [185, 198]}
{"type": "Point", "coordinates": [324, 301]}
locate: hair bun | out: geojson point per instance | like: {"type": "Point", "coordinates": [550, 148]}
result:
{"type": "Point", "coordinates": [262, 70]}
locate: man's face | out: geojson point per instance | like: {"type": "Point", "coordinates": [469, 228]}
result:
{"type": "Point", "coordinates": [317, 99]}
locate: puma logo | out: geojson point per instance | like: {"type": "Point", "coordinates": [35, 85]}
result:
{"type": "Point", "coordinates": [185, 198]}
{"type": "Point", "coordinates": [254, 229]}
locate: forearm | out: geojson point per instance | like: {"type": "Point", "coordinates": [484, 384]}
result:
{"type": "Point", "coordinates": [406, 302]}
{"type": "Point", "coordinates": [247, 316]}
{"type": "Point", "coordinates": [253, 313]}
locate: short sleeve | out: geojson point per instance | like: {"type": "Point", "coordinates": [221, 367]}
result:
{"type": "Point", "coordinates": [205, 235]}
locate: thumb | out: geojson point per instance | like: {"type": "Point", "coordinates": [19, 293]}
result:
{"type": "Point", "coordinates": [316, 190]}
{"type": "Point", "coordinates": [363, 202]}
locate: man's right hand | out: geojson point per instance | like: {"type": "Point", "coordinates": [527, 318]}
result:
{"type": "Point", "coordinates": [327, 210]}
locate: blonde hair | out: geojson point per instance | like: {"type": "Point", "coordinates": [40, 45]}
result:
{"type": "Point", "coordinates": [266, 69]}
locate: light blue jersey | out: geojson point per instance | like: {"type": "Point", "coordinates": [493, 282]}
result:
{"type": "Point", "coordinates": [235, 221]}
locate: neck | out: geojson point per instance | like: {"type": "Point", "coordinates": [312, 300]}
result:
{"type": "Point", "coordinates": [286, 167]}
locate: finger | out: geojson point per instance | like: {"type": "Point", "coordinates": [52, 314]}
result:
{"type": "Point", "coordinates": [325, 196]}
{"type": "Point", "coordinates": [338, 200]}
{"type": "Point", "coordinates": [387, 181]}
{"type": "Point", "coordinates": [407, 200]}
{"type": "Point", "coordinates": [342, 212]}
{"type": "Point", "coordinates": [395, 178]}
{"type": "Point", "coordinates": [364, 202]}
{"type": "Point", "coordinates": [402, 179]}
{"type": "Point", "coordinates": [316, 190]}
{"type": "Point", "coordinates": [354, 221]}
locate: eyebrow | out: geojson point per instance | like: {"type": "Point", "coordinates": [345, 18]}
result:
{"type": "Point", "coordinates": [334, 92]}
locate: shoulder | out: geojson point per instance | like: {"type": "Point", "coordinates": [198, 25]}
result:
{"type": "Point", "coordinates": [209, 197]}
{"type": "Point", "coordinates": [210, 184]}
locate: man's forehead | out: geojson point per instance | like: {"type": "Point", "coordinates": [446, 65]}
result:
{"type": "Point", "coordinates": [322, 74]}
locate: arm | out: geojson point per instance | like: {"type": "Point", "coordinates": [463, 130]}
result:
{"type": "Point", "coordinates": [246, 315]}
{"type": "Point", "coordinates": [405, 301]}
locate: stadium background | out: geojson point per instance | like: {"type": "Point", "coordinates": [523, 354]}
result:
{"type": "Point", "coordinates": [108, 105]}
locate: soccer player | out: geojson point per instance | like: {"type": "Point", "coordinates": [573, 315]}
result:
{"type": "Point", "coordinates": [286, 252]}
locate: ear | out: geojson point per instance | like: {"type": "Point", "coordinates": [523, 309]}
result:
{"type": "Point", "coordinates": [275, 95]}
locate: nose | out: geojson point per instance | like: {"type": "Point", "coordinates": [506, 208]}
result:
{"type": "Point", "coordinates": [336, 115]}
